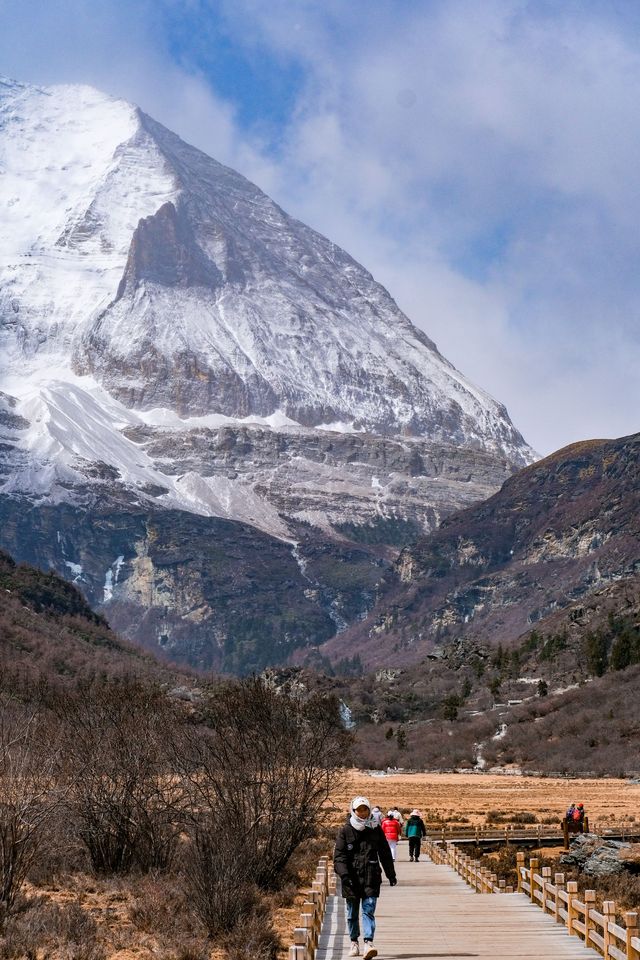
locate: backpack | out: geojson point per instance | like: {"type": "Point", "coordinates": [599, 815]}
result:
{"type": "Point", "coordinates": [577, 814]}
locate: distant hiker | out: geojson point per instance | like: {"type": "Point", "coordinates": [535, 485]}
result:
{"type": "Point", "coordinates": [376, 814]}
{"type": "Point", "coordinates": [415, 831]}
{"type": "Point", "coordinates": [360, 849]}
{"type": "Point", "coordinates": [396, 813]}
{"type": "Point", "coordinates": [578, 817]}
{"type": "Point", "coordinates": [392, 831]}
{"type": "Point", "coordinates": [570, 811]}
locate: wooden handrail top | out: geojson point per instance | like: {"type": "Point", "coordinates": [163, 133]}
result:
{"type": "Point", "coordinates": [619, 932]}
{"type": "Point", "coordinates": [617, 954]}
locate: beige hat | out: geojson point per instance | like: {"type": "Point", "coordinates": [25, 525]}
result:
{"type": "Point", "coordinates": [360, 802]}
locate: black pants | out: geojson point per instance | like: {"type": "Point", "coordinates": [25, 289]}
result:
{"type": "Point", "coordinates": [414, 847]}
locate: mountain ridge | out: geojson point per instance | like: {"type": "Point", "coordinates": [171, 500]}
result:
{"type": "Point", "coordinates": [555, 532]}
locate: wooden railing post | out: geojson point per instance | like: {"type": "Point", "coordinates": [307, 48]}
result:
{"type": "Point", "coordinates": [572, 889]}
{"type": "Point", "coordinates": [609, 911]}
{"type": "Point", "coordinates": [534, 863]}
{"type": "Point", "coordinates": [589, 905]}
{"type": "Point", "coordinates": [302, 938]}
{"type": "Point", "coordinates": [631, 923]}
{"type": "Point", "coordinates": [546, 878]}
{"type": "Point", "coordinates": [565, 833]}
{"type": "Point", "coordinates": [308, 919]}
{"type": "Point", "coordinates": [559, 885]}
{"type": "Point", "coordinates": [519, 867]}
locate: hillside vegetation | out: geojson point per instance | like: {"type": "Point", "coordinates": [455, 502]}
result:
{"type": "Point", "coordinates": [139, 812]}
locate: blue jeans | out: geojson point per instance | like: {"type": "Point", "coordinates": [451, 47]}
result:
{"type": "Point", "coordinates": [368, 918]}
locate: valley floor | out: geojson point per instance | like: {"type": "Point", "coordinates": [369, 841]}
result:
{"type": "Point", "coordinates": [447, 797]}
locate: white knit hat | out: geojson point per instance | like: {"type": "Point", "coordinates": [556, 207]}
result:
{"type": "Point", "coordinates": [360, 802]}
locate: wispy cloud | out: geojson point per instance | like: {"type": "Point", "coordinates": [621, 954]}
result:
{"type": "Point", "coordinates": [479, 156]}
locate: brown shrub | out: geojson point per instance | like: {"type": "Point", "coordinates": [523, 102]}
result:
{"type": "Point", "coordinates": [43, 926]}
{"type": "Point", "coordinates": [254, 939]}
{"type": "Point", "coordinates": [162, 908]}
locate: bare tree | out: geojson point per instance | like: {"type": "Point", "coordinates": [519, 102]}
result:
{"type": "Point", "coordinates": [28, 792]}
{"type": "Point", "coordinates": [123, 797]}
{"type": "Point", "coordinates": [264, 765]}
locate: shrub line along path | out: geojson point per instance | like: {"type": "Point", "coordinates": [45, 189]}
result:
{"type": "Point", "coordinates": [433, 913]}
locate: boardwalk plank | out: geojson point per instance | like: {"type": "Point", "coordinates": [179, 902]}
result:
{"type": "Point", "coordinates": [433, 913]}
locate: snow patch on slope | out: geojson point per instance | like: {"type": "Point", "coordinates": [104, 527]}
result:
{"type": "Point", "coordinates": [75, 424]}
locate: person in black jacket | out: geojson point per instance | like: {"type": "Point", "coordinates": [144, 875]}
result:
{"type": "Point", "coordinates": [361, 847]}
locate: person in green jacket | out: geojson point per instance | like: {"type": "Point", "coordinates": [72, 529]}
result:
{"type": "Point", "coordinates": [415, 831]}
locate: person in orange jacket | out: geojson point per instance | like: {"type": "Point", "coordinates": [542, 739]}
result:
{"type": "Point", "coordinates": [392, 830]}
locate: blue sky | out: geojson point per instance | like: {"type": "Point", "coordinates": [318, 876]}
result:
{"type": "Point", "coordinates": [480, 157]}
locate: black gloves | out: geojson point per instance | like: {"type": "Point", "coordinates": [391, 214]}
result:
{"type": "Point", "coordinates": [393, 882]}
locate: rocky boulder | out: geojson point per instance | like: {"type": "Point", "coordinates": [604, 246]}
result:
{"type": "Point", "coordinates": [597, 857]}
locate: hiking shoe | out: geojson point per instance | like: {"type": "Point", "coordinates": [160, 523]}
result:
{"type": "Point", "coordinates": [355, 949]}
{"type": "Point", "coordinates": [370, 952]}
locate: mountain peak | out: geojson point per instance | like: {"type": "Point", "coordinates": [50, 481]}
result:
{"type": "Point", "coordinates": [176, 283]}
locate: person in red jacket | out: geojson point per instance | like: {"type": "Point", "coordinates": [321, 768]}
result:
{"type": "Point", "coordinates": [392, 830]}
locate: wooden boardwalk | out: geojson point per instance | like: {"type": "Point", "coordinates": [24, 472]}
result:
{"type": "Point", "coordinates": [433, 913]}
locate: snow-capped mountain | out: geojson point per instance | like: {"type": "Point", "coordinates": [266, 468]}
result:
{"type": "Point", "coordinates": [178, 284]}
{"type": "Point", "coordinates": [168, 331]}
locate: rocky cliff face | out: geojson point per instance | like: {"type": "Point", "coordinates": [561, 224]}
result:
{"type": "Point", "coordinates": [323, 517]}
{"type": "Point", "coordinates": [201, 590]}
{"type": "Point", "coordinates": [172, 341]}
{"type": "Point", "coordinates": [556, 533]}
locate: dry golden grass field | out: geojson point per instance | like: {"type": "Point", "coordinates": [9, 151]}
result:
{"type": "Point", "coordinates": [445, 797]}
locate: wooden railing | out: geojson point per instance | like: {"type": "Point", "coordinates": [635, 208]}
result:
{"type": "Point", "coordinates": [511, 831]}
{"type": "Point", "coordinates": [477, 876]}
{"type": "Point", "coordinates": [581, 918]}
{"type": "Point", "coordinates": [307, 933]}
{"type": "Point", "coordinates": [557, 898]}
